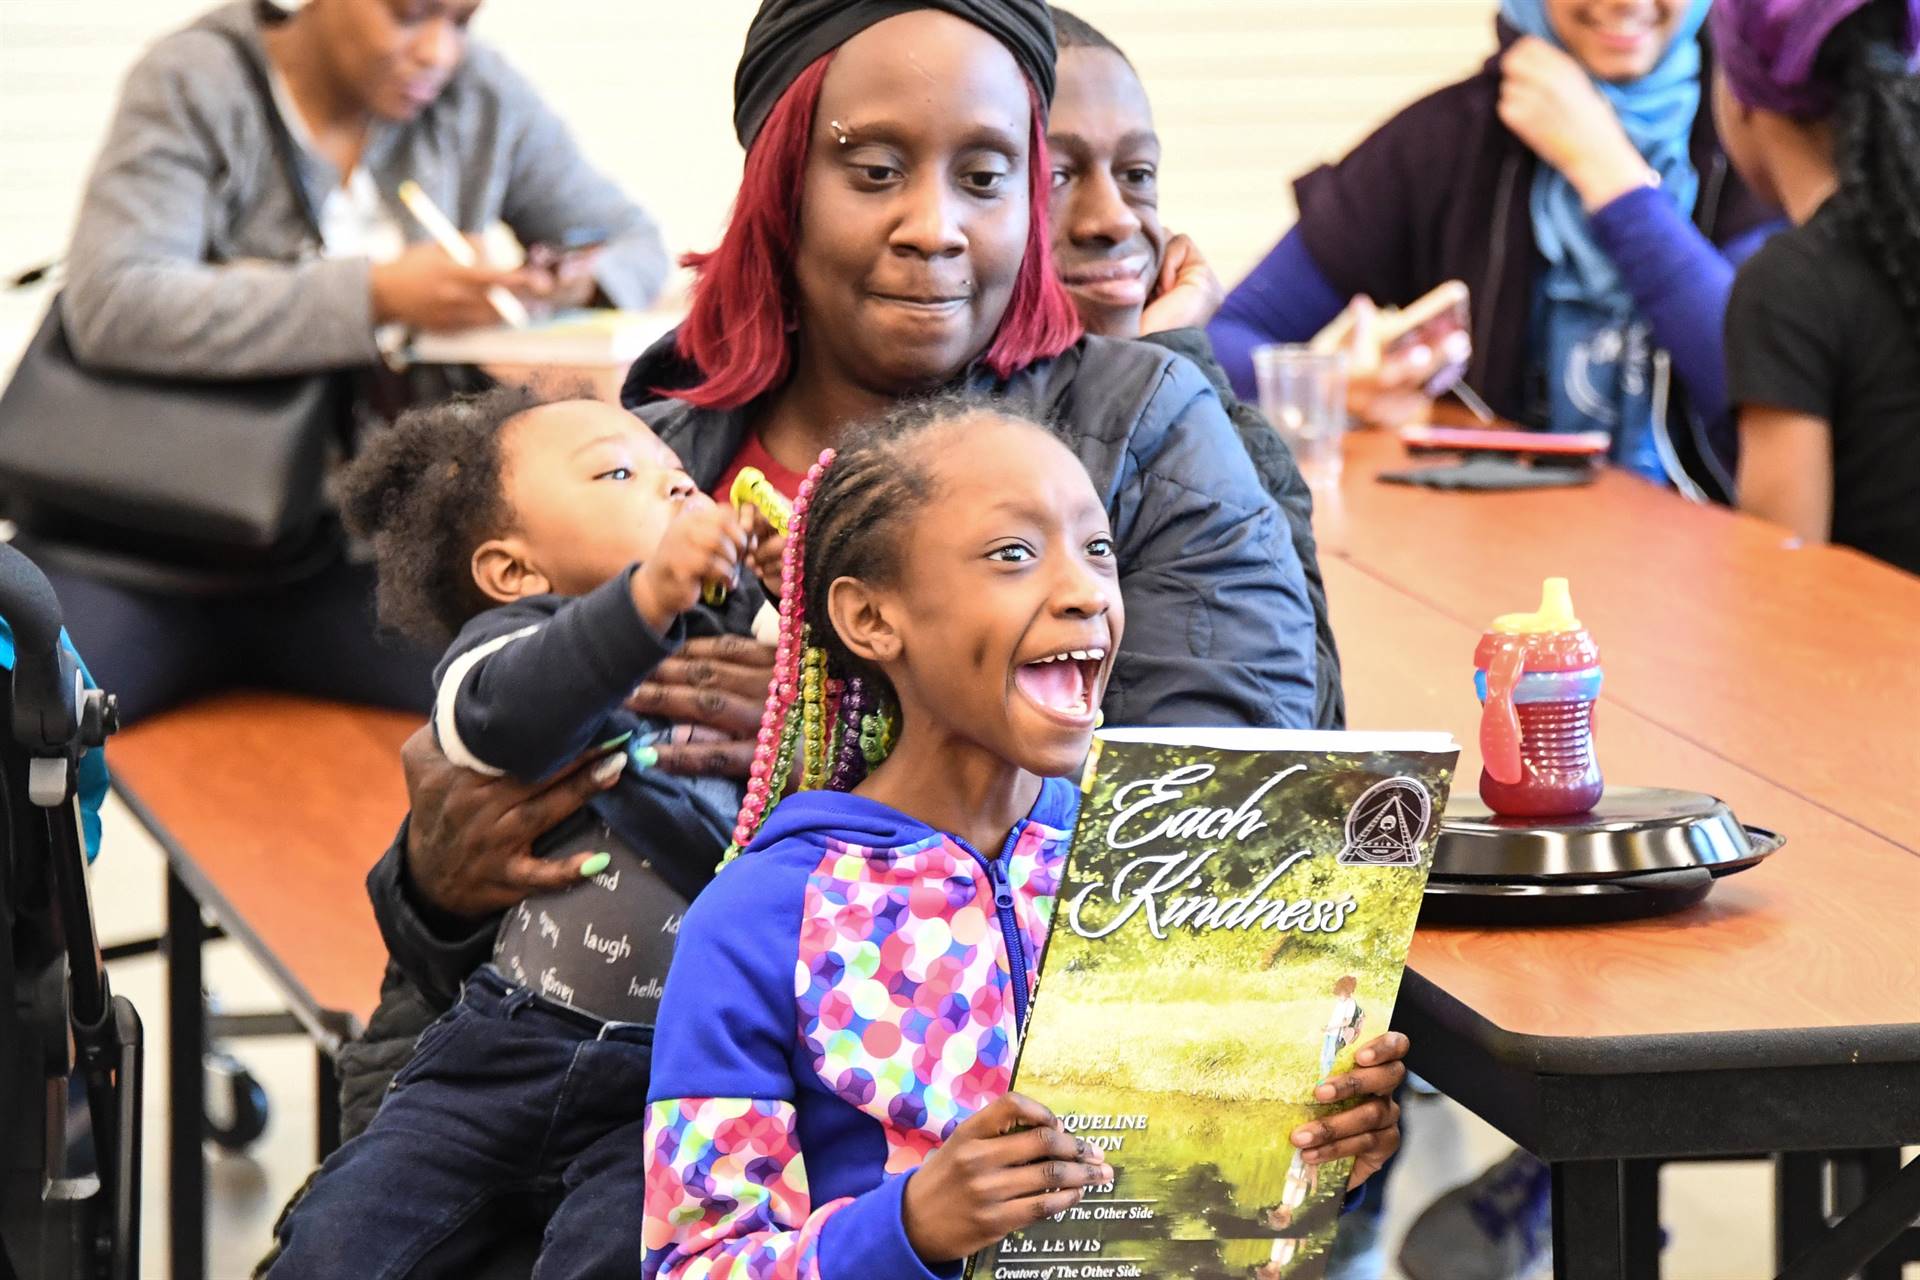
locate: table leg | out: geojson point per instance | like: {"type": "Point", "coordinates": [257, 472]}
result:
{"type": "Point", "coordinates": [326, 1105]}
{"type": "Point", "coordinates": [1800, 1204]}
{"type": "Point", "coordinates": [186, 1084]}
{"type": "Point", "coordinates": [1587, 1221]}
{"type": "Point", "coordinates": [1857, 1243]}
{"type": "Point", "coordinates": [1606, 1220]}
{"type": "Point", "coordinates": [1856, 1176]}
{"type": "Point", "coordinates": [1640, 1239]}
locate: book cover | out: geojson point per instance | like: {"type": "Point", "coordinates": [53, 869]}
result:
{"type": "Point", "coordinates": [1232, 926]}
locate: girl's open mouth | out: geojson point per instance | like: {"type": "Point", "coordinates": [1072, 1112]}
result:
{"type": "Point", "coordinates": [1063, 684]}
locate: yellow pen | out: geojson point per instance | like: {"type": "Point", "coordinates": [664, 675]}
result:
{"type": "Point", "coordinates": [448, 237]}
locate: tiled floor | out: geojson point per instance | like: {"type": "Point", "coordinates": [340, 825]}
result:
{"type": "Point", "coordinates": [1717, 1215]}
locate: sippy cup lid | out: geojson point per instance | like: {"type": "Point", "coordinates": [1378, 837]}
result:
{"type": "Point", "coordinates": [1554, 614]}
{"type": "Point", "coordinates": [1551, 637]}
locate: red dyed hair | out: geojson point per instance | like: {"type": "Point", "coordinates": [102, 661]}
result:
{"type": "Point", "coordinates": [743, 293]}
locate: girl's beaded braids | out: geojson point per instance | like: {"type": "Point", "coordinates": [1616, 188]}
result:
{"type": "Point", "coordinates": [781, 719]}
{"type": "Point", "coordinates": [826, 709]}
{"type": "Point", "coordinates": [820, 712]}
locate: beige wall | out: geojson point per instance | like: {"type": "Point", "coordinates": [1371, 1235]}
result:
{"type": "Point", "coordinates": [1248, 92]}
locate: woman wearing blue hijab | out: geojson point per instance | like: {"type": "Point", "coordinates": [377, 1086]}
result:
{"type": "Point", "coordinates": [1577, 187]}
{"type": "Point", "coordinates": [1595, 347]}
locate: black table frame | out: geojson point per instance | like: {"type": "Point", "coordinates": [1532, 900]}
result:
{"type": "Point", "coordinates": [1605, 1113]}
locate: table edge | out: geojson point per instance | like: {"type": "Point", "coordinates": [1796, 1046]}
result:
{"type": "Point", "coordinates": [1674, 1052]}
{"type": "Point", "coordinates": [331, 1029]}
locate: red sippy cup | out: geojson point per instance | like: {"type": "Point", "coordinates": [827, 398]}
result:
{"type": "Point", "coordinates": [1537, 675]}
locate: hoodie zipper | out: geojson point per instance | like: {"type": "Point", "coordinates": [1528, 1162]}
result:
{"type": "Point", "coordinates": [1009, 922]}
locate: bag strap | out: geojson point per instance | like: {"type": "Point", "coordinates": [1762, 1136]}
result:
{"type": "Point", "coordinates": [283, 145]}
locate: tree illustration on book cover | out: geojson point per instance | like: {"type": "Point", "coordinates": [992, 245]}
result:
{"type": "Point", "coordinates": [1233, 925]}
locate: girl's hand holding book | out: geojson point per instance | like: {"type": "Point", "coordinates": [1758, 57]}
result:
{"type": "Point", "coordinates": [1369, 1132]}
{"type": "Point", "coordinates": [1007, 1166]}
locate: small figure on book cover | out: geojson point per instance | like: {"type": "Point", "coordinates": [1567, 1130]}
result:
{"type": "Point", "coordinates": [1343, 1024]}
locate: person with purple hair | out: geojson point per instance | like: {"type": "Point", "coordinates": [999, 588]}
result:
{"type": "Point", "coordinates": [1819, 108]}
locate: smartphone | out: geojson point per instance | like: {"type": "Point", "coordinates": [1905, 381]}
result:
{"type": "Point", "coordinates": [579, 240]}
{"type": "Point", "coordinates": [1428, 322]}
{"type": "Point", "coordinates": [549, 253]}
{"type": "Point", "coordinates": [1539, 444]}
{"type": "Point", "coordinates": [1440, 320]}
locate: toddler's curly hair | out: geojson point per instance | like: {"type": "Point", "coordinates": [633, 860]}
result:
{"type": "Point", "coordinates": [425, 492]}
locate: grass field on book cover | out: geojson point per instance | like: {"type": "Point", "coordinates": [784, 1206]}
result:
{"type": "Point", "coordinates": [1233, 926]}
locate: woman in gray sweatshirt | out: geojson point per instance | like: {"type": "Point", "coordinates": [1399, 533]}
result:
{"type": "Point", "coordinates": [192, 259]}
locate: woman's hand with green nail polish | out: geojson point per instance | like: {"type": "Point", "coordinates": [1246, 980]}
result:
{"type": "Point", "coordinates": [469, 850]}
{"type": "Point", "coordinates": [715, 683]}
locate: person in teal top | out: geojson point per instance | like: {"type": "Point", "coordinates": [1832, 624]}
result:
{"type": "Point", "coordinates": [93, 764]}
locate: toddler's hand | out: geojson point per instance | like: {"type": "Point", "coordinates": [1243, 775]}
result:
{"type": "Point", "coordinates": [704, 544]}
{"type": "Point", "coordinates": [1005, 1167]}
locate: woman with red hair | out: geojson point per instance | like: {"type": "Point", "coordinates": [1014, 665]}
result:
{"type": "Point", "coordinates": [890, 239]}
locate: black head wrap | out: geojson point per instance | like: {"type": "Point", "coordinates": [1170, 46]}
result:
{"type": "Point", "coordinates": [788, 35]}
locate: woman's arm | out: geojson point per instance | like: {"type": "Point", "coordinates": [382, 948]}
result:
{"type": "Point", "coordinates": [1219, 623]}
{"type": "Point", "coordinates": [530, 687]}
{"type": "Point", "coordinates": [140, 296]}
{"type": "Point", "coordinates": [1786, 470]}
{"type": "Point", "coordinates": [435, 949]}
{"type": "Point", "coordinates": [1787, 345]}
{"type": "Point", "coordinates": [1287, 298]}
{"type": "Point", "coordinates": [552, 190]}
{"type": "Point", "coordinates": [1680, 282]}
{"type": "Point", "coordinates": [465, 854]}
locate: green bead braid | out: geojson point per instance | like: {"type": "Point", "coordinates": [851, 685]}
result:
{"type": "Point", "coordinates": [782, 769]}
{"type": "Point", "coordinates": [877, 733]}
{"type": "Point", "coordinates": [813, 702]}
{"type": "Point", "coordinates": [783, 760]}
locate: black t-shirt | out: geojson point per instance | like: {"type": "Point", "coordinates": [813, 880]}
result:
{"type": "Point", "coordinates": [602, 947]}
{"type": "Point", "coordinates": [1814, 327]}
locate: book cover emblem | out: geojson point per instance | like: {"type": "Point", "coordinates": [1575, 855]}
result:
{"type": "Point", "coordinates": [1386, 825]}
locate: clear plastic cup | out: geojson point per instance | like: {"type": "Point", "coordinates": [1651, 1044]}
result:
{"type": "Point", "coordinates": [1303, 393]}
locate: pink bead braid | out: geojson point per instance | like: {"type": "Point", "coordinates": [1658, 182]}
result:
{"type": "Point", "coordinates": [785, 686]}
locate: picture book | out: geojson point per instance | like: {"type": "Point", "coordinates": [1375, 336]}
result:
{"type": "Point", "coordinates": [1232, 926]}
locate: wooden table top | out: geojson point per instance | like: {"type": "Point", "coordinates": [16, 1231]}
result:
{"type": "Point", "coordinates": [1819, 935]}
{"type": "Point", "coordinates": [1802, 664]}
{"type": "Point", "coordinates": [287, 865]}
